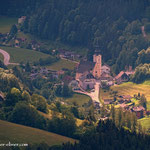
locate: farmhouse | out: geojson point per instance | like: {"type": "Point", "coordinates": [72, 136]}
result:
{"type": "Point", "coordinates": [139, 111]}
{"type": "Point", "coordinates": [21, 20]}
{"type": "Point", "coordinates": [108, 101]}
{"type": "Point", "coordinates": [122, 77]}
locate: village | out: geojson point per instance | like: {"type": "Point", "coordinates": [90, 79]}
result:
{"type": "Point", "coordinates": [89, 77]}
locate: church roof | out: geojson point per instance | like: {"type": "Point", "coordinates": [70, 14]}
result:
{"type": "Point", "coordinates": [85, 66]}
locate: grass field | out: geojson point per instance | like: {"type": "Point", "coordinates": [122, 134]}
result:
{"type": "Point", "coordinates": [23, 55]}
{"type": "Point", "coordinates": [79, 99]}
{"type": "Point", "coordinates": [6, 23]}
{"type": "Point", "coordinates": [145, 122]}
{"type": "Point", "coordinates": [62, 64]}
{"type": "Point", "coordinates": [21, 134]}
{"type": "Point", "coordinates": [130, 88]}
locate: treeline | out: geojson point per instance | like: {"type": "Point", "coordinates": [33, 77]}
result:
{"type": "Point", "coordinates": [106, 136]}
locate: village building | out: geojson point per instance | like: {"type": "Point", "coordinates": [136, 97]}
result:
{"type": "Point", "coordinates": [1, 97]}
{"type": "Point", "coordinates": [108, 101]}
{"type": "Point", "coordinates": [139, 111]}
{"type": "Point", "coordinates": [21, 19]}
{"type": "Point", "coordinates": [105, 69]}
{"type": "Point", "coordinates": [124, 76]}
{"type": "Point", "coordinates": [121, 77]}
{"type": "Point", "coordinates": [125, 99]}
{"type": "Point", "coordinates": [88, 72]}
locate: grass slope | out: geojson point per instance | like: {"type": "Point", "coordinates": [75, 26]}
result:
{"type": "Point", "coordinates": [23, 55]}
{"type": "Point", "coordinates": [6, 23]}
{"type": "Point", "coordinates": [22, 134]}
{"type": "Point", "coordinates": [80, 99]}
{"type": "Point", "coordinates": [62, 64]}
{"type": "Point", "coordinates": [145, 122]}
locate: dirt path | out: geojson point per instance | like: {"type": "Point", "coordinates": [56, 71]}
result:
{"type": "Point", "coordinates": [7, 58]}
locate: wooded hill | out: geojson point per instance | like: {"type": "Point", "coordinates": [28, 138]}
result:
{"type": "Point", "coordinates": [114, 25]}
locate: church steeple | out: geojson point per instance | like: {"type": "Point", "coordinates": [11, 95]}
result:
{"type": "Point", "coordinates": [97, 47]}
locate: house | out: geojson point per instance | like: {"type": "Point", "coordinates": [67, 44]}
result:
{"type": "Point", "coordinates": [87, 81]}
{"type": "Point", "coordinates": [105, 69]}
{"type": "Point", "coordinates": [67, 79]}
{"type": "Point", "coordinates": [17, 43]}
{"type": "Point", "coordinates": [139, 111]}
{"type": "Point", "coordinates": [21, 19]}
{"type": "Point", "coordinates": [125, 99]}
{"type": "Point", "coordinates": [122, 77]}
{"type": "Point", "coordinates": [108, 101]}
{"type": "Point", "coordinates": [124, 106]}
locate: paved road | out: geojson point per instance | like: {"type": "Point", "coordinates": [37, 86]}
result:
{"type": "Point", "coordinates": [7, 58]}
{"type": "Point", "coordinates": [94, 95]}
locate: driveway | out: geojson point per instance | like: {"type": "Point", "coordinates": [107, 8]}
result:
{"type": "Point", "coordinates": [7, 58]}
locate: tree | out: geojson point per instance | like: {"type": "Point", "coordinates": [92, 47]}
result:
{"type": "Point", "coordinates": [112, 113]}
{"type": "Point", "coordinates": [39, 102]}
{"type": "Point", "coordinates": [143, 101]}
{"type": "Point", "coordinates": [26, 96]}
{"type": "Point", "coordinates": [26, 115]}
{"type": "Point", "coordinates": [13, 97]}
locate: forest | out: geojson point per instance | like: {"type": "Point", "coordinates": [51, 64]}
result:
{"type": "Point", "coordinates": [113, 25]}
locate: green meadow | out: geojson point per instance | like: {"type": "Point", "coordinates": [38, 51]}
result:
{"type": "Point", "coordinates": [22, 134]}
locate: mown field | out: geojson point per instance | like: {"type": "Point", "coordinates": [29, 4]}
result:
{"type": "Point", "coordinates": [18, 55]}
{"type": "Point", "coordinates": [21, 134]}
{"type": "Point", "coordinates": [62, 64]}
{"type": "Point", "coordinates": [6, 23]}
{"type": "Point", "coordinates": [79, 99]}
{"type": "Point", "coordinates": [145, 122]}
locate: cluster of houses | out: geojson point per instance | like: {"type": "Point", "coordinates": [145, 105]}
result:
{"type": "Point", "coordinates": [45, 73]}
{"type": "Point", "coordinates": [126, 104]}
{"type": "Point", "coordinates": [68, 55]}
{"type": "Point", "coordinates": [89, 72]}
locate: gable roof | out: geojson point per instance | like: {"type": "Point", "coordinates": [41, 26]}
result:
{"type": "Point", "coordinates": [121, 74]}
{"type": "Point", "coordinates": [85, 66]}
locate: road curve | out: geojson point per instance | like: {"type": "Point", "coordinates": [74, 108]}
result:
{"type": "Point", "coordinates": [7, 58]}
{"type": "Point", "coordinates": [94, 95]}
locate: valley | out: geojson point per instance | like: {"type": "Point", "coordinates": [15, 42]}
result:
{"type": "Point", "coordinates": [75, 75]}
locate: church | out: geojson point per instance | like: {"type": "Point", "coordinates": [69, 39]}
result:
{"type": "Point", "coordinates": [92, 68]}
{"type": "Point", "coordinates": [88, 72]}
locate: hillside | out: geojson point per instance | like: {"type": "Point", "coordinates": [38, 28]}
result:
{"type": "Point", "coordinates": [6, 23]}
{"type": "Point", "coordinates": [22, 134]}
{"type": "Point", "coordinates": [24, 55]}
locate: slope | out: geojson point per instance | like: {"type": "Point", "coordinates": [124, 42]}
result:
{"type": "Point", "coordinates": [22, 134]}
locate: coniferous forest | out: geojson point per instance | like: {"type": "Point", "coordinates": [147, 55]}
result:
{"type": "Point", "coordinates": [114, 25]}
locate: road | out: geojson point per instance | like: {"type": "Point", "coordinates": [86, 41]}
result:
{"type": "Point", "coordinates": [7, 58]}
{"type": "Point", "coordinates": [143, 31]}
{"type": "Point", "coordinates": [94, 95]}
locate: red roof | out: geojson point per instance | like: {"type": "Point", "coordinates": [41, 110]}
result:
{"type": "Point", "coordinates": [140, 108]}
{"type": "Point", "coordinates": [119, 75]}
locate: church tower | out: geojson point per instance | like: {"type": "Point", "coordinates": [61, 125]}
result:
{"type": "Point", "coordinates": [97, 58]}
